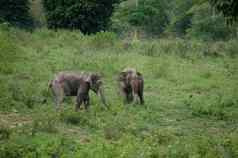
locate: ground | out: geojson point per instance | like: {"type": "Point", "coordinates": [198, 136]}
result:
{"type": "Point", "coordinates": [191, 91]}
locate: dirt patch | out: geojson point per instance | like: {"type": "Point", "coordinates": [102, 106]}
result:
{"type": "Point", "coordinates": [12, 120]}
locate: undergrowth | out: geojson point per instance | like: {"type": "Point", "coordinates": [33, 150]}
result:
{"type": "Point", "coordinates": [190, 97]}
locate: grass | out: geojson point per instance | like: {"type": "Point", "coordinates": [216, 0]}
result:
{"type": "Point", "coordinates": [191, 91]}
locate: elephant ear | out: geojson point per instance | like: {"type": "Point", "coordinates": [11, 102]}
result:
{"type": "Point", "coordinates": [88, 78]}
{"type": "Point", "coordinates": [122, 76]}
{"type": "Point", "coordinates": [93, 79]}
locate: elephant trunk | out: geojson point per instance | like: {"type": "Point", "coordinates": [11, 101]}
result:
{"type": "Point", "coordinates": [101, 95]}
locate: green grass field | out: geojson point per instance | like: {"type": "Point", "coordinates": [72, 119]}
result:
{"type": "Point", "coordinates": [191, 97]}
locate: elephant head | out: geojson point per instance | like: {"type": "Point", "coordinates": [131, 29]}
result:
{"type": "Point", "coordinates": [96, 85]}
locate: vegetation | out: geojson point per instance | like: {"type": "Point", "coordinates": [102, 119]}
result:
{"type": "Point", "coordinates": [87, 15]}
{"type": "Point", "coordinates": [207, 25]}
{"type": "Point", "coordinates": [148, 16]}
{"type": "Point", "coordinates": [177, 18]}
{"type": "Point", "coordinates": [151, 12]}
{"type": "Point", "coordinates": [228, 8]}
{"type": "Point", "coordinates": [190, 97]}
{"type": "Point", "coordinates": [16, 13]}
{"type": "Point", "coordinates": [184, 49]}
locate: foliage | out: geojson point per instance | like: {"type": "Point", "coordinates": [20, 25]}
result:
{"type": "Point", "coordinates": [207, 25]}
{"type": "Point", "coordinates": [8, 50]}
{"type": "Point", "coordinates": [37, 13]}
{"type": "Point", "coordinates": [16, 13]}
{"type": "Point", "coordinates": [228, 8]}
{"type": "Point", "coordinates": [103, 39]}
{"type": "Point", "coordinates": [150, 12]}
{"type": "Point", "coordinates": [190, 94]}
{"type": "Point", "coordinates": [149, 15]}
{"type": "Point", "coordinates": [88, 16]}
{"type": "Point", "coordinates": [180, 18]}
{"type": "Point", "coordinates": [119, 20]}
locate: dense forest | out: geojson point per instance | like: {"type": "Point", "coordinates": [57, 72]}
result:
{"type": "Point", "coordinates": [202, 19]}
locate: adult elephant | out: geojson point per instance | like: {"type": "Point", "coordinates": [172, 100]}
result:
{"type": "Point", "coordinates": [76, 84]}
{"type": "Point", "coordinates": [131, 84]}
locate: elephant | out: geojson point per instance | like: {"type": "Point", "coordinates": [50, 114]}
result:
{"type": "Point", "coordinates": [131, 84]}
{"type": "Point", "coordinates": [76, 84]}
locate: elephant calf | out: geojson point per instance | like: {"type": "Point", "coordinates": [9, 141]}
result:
{"type": "Point", "coordinates": [131, 85]}
{"type": "Point", "coordinates": [76, 84]}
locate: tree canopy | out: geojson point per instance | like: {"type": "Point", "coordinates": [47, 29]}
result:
{"type": "Point", "coordinates": [89, 16]}
{"type": "Point", "coordinates": [15, 12]}
{"type": "Point", "coordinates": [229, 8]}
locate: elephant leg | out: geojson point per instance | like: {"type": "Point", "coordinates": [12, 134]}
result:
{"type": "Point", "coordinates": [83, 96]}
{"type": "Point", "coordinates": [129, 92]}
{"type": "Point", "coordinates": [129, 97]}
{"type": "Point", "coordinates": [58, 94]}
{"type": "Point", "coordinates": [140, 92]}
{"type": "Point", "coordinates": [134, 92]}
{"type": "Point", "coordinates": [141, 98]}
{"type": "Point", "coordinates": [86, 102]}
{"type": "Point", "coordinates": [134, 100]}
{"type": "Point", "coordinates": [79, 101]}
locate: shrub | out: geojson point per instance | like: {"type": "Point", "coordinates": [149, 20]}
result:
{"type": "Point", "coordinates": [216, 106]}
{"type": "Point", "coordinates": [44, 124]}
{"type": "Point", "coordinates": [8, 51]}
{"type": "Point", "coordinates": [149, 15]}
{"type": "Point", "coordinates": [229, 10]}
{"type": "Point", "coordinates": [205, 25]}
{"type": "Point", "coordinates": [24, 91]}
{"type": "Point", "coordinates": [15, 150]}
{"type": "Point", "coordinates": [103, 40]}
{"type": "Point", "coordinates": [88, 16]}
{"type": "Point", "coordinates": [16, 13]}
{"type": "Point", "coordinates": [4, 133]}
{"type": "Point", "coordinates": [81, 119]}
{"type": "Point", "coordinates": [23, 146]}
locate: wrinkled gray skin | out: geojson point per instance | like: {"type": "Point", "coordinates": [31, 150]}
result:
{"type": "Point", "coordinates": [76, 84]}
{"type": "Point", "coordinates": [131, 84]}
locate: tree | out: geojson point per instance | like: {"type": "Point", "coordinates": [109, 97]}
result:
{"type": "Point", "coordinates": [229, 8]}
{"type": "Point", "coordinates": [207, 25]}
{"type": "Point", "coordinates": [16, 12]}
{"type": "Point", "coordinates": [89, 16]}
{"type": "Point", "coordinates": [150, 15]}
{"type": "Point", "coordinates": [180, 18]}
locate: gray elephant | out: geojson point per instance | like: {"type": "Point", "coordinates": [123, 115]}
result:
{"type": "Point", "coordinates": [131, 84]}
{"type": "Point", "coordinates": [76, 84]}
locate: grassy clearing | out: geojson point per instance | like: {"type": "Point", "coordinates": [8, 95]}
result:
{"type": "Point", "coordinates": [191, 91]}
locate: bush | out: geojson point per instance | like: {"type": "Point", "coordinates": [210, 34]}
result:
{"type": "Point", "coordinates": [4, 133]}
{"type": "Point", "coordinates": [208, 26]}
{"type": "Point", "coordinates": [31, 147]}
{"type": "Point", "coordinates": [16, 13]}
{"type": "Point", "coordinates": [18, 149]}
{"type": "Point", "coordinates": [88, 16]}
{"type": "Point", "coordinates": [102, 40]}
{"type": "Point", "coordinates": [229, 10]}
{"type": "Point", "coordinates": [149, 15]}
{"type": "Point", "coordinates": [8, 51]}
{"type": "Point", "coordinates": [216, 106]}
{"type": "Point", "coordinates": [80, 119]}
{"type": "Point", "coordinates": [180, 20]}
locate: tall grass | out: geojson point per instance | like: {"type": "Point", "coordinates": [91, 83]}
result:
{"type": "Point", "coordinates": [190, 97]}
